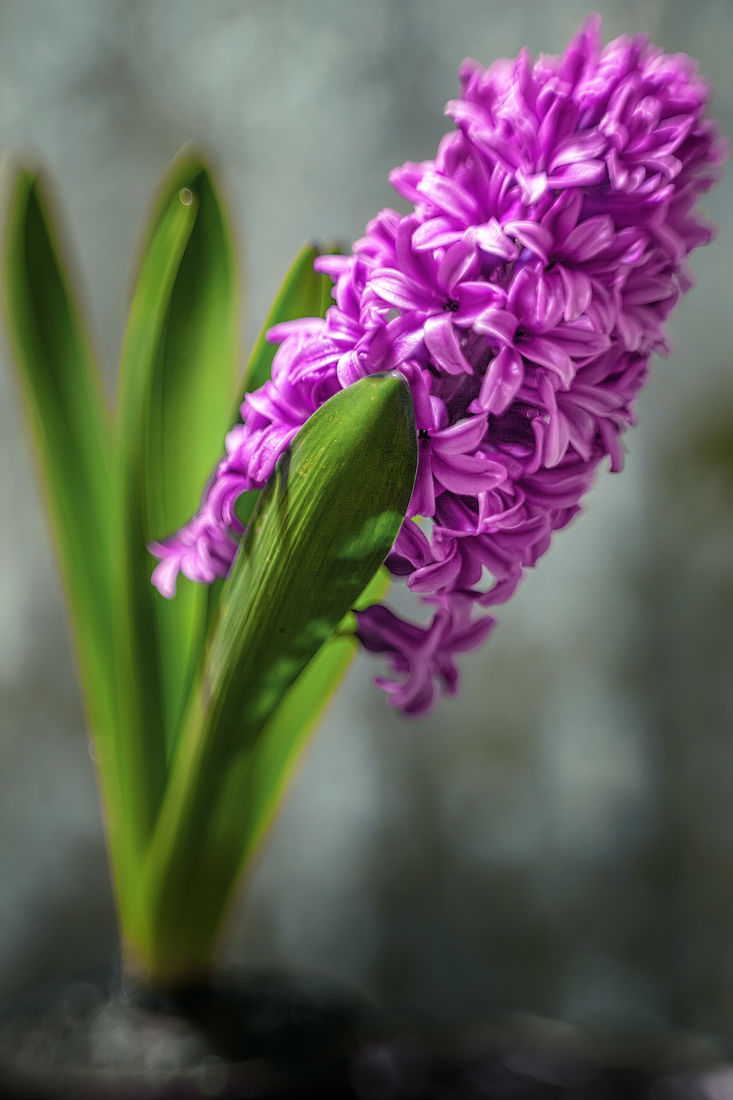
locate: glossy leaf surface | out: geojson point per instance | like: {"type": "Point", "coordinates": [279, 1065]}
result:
{"type": "Point", "coordinates": [324, 524]}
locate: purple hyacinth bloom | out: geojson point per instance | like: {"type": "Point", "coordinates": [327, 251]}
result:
{"type": "Point", "coordinates": [522, 298]}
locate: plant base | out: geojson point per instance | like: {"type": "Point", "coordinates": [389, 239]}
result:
{"type": "Point", "coordinates": [261, 1036]}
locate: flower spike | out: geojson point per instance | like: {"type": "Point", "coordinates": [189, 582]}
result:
{"type": "Point", "coordinates": [522, 298]}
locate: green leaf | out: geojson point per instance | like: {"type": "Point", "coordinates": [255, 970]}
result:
{"type": "Point", "coordinates": [193, 380]}
{"type": "Point", "coordinates": [177, 384]}
{"type": "Point", "coordinates": [294, 720]}
{"type": "Point", "coordinates": [325, 522]}
{"type": "Point", "coordinates": [70, 429]}
{"type": "Point", "coordinates": [303, 293]}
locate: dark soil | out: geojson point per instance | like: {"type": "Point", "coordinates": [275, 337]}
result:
{"type": "Point", "coordinates": [263, 1036]}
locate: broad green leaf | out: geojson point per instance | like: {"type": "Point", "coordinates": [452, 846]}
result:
{"type": "Point", "coordinates": [304, 293]}
{"type": "Point", "coordinates": [325, 522]}
{"type": "Point", "coordinates": [71, 430]}
{"type": "Point", "coordinates": [177, 383]}
{"type": "Point", "coordinates": [294, 720]}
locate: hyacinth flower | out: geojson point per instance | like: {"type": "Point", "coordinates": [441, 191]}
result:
{"type": "Point", "coordinates": [522, 299]}
{"type": "Point", "coordinates": [429, 408]}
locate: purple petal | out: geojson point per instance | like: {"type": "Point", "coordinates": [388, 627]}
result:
{"type": "Point", "coordinates": [422, 502]}
{"type": "Point", "coordinates": [533, 185]}
{"type": "Point", "coordinates": [578, 290]}
{"type": "Point", "coordinates": [459, 261]}
{"type": "Point", "coordinates": [438, 576]}
{"type": "Point", "coordinates": [650, 289]}
{"type": "Point", "coordinates": [165, 574]}
{"type": "Point", "coordinates": [449, 196]}
{"type": "Point", "coordinates": [579, 175]}
{"type": "Point", "coordinates": [498, 323]}
{"type": "Point", "coordinates": [548, 354]}
{"type": "Point", "coordinates": [394, 289]}
{"type": "Point", "coordinates": [301, 326]}
{"type": "Point", "coordinates": [474, 298]}
{"type": "Point", "coordinates": [580, 340]}
{"type": "Point", "coordinates": [491, 238]}
{"type": "Point", "coordinates": [412, 544]}
{"type": "Point", "coordinates": [556, 439]}
{"type": "Point", "coordinates": [588, 239]}
{"type": "Point", "coordinates": [534, 237]}
{"type": "Point", "coordinates": [444, 344]}
{"type": "Point", "coordinates": [472, 636]}
{"type": "Point", "coordinates": [461, 437]}
{"type": "Point", "coordinates": [467, 474]}
{"type": "Point", "coordinates": [379, 630]}
{"type": "Point", "coordinates": [579, 148]}
{"type": "Point", "coordinates": [501, 382]}
{"type": "Point", "coordinates": [435, 233]}
{"type": "Point", "coordinates": [441, 340]}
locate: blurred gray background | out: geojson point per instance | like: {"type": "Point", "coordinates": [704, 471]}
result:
{"type": "Point", "coordinates": [560, 839]}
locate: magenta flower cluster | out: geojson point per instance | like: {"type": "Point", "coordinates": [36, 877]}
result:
{"type": "Point", "coordinates": [522, 299]}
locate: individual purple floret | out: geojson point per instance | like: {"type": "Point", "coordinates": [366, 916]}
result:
{"type": "Point", "coordinates": [522, 298]}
